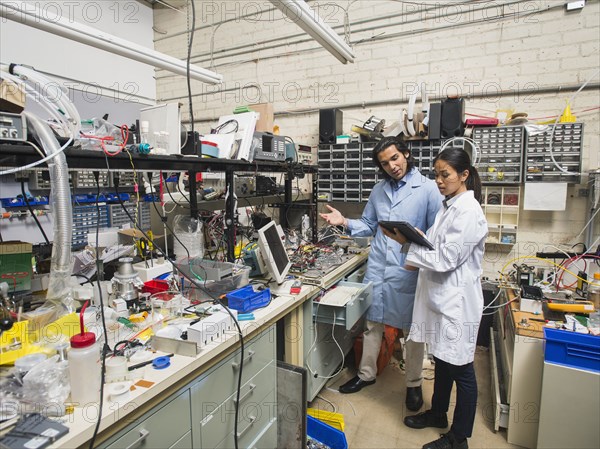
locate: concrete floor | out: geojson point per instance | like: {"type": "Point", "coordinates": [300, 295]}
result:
{"type": "Point", "coordinates": [373, 416]}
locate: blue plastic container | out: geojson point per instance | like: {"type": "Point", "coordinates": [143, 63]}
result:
{"type": "Point", "coordinates": [325, 434]}
{"type": "Point", "coordinates": [245, 299]}
{"type": "Point", "coordinates": [572, 349]}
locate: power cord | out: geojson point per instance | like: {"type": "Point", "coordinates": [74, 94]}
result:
{"type": "Point", "coordinates": [105, 348]}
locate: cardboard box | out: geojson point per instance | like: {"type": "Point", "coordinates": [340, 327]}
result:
{"type": "Point", "coordinates": [15, 265]}
{"type": "Point", "coordinates": [266, 120]}
{"type": "Point", "coordinates": [12, 97]}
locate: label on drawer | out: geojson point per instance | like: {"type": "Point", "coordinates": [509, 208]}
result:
{"type": "Point", "coordinates": [206, 420]}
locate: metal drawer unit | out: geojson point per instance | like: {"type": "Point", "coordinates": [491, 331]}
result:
{"type": "Point", "coordinates": [127, 178]}
{"type": "Point", "coordinates": [85, 219]}
{"type": "Point", "coordinates": [118, 217]}
{"type": "Point", "coordinates": [165, 426]}
{"type": "Point", "coordinates": [326, 344]}
{"type": "Point", "coordinates": [368, 171]}
{"type": "Point", "coordinates": [567, 147]}
{"type": "Point", "coordinates": [212, 396]}
{"type": "Point", "coordinates": [340, 171]}
{"type": "Point", "coordinates": [501, 153]}
{"type": "Point", "coordinates": [84, 179]}
{"type": "Point", "coordinates": [257, 401]}
{"type": "Point", "coordinates": [349, 314]}
{"type": "Point", "coordinates": [424, 152]}
{"type": "Point", "coordinates": [39, 180]}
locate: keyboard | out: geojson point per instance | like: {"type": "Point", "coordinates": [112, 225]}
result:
{"type": "Point", "coordinates": [339, 296]}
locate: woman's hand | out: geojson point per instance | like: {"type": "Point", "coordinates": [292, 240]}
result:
{"type": "Point", "coordinates": [396, 235]}
{"type": "Point", "coordinates": [335, 217]}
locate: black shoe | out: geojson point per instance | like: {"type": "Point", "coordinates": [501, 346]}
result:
{"type": "Point", "coordinates": [355, 384]}
{"type": "Point", "coordinates": [426, 419]}
{"type": "Point", "coordinates": [447, 441]}
{"type": "Point", "coordinates": [414, 398]}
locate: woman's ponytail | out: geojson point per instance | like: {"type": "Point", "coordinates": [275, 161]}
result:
{"type": "Point", "coordinates": [474, 183]}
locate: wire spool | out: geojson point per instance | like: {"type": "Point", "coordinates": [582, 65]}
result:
{"type": "Point", "coordinates": [493, 198]}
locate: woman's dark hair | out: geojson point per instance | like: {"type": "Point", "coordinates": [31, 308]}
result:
{"type": "Point", "coordinates": [384, 144]}
{"type": "Point", "coordinates": [459, 160]}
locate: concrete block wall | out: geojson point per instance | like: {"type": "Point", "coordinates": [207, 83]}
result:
{"type": "Point", "coordinates": [504, 54]}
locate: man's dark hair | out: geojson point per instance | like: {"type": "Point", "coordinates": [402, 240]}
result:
{"type": "Point", "coordinates": [384, 144]}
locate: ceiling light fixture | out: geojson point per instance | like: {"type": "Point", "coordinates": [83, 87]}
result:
{"type": "Point", "coordinates": [307, 19]}
{"type": "Point", "coordinates": [34, 17]}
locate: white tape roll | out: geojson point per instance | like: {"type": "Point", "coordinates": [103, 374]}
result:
{"type": "Point", "coordinates": [118, 391]}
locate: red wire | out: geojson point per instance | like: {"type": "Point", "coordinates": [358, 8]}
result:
{"type": "Point", "coordinates": [81, 317]}
{"type": "Point", "coordinates": [569, 262]}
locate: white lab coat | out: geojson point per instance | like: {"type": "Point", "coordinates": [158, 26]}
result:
{"type": "Point", "coordinates": [449, 299]}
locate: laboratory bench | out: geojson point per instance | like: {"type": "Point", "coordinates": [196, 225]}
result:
{"type": "Point", "coordinates": [191, 403]}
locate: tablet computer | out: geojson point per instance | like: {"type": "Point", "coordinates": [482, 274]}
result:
{"type": "Point", "coordinates": [409, 231]}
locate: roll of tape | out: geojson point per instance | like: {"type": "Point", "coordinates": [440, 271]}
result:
{"type": "Point", "coordinates": [118, 391]}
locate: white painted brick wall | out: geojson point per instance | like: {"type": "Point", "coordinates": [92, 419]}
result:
{"type": "Point", "coordinates": [525, 52]}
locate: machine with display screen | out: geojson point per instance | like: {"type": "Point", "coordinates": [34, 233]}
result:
{"type": "Point", "coordinates": [271, 243]}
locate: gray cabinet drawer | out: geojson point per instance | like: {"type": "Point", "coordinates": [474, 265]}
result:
{"type": "Point", "coordinates": [214, 427]}
{"type": "Point", "coordinates": [218, 384]}
{"type": "Point", "coordinates": [350, 313]}
{"type": "Point", "coordinates": [184, 443]}
{"type": "Point", "coordinates": [253, 427]}
{"type": "Point", "coordinates": [163, 428]}
{"type": "Point", "coordinates": [268, 439]}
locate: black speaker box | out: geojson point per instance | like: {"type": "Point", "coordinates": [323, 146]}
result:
{"type": "Point", "coordinates": [330, 125]}
{"type": "Point", "coordinates": [434, 128]}
{"type": "Point", "coordinates": [453, 117]}
{"type": "Point", "coordinates": [188, 149]}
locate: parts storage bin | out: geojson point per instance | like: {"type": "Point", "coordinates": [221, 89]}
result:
{"type": "Point", "coordinates": [246, 299]}
{"type": "Point", "coordinates": [572, 349]}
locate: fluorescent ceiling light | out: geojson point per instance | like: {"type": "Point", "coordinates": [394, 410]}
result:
{"type": "Point", "coordinates": [84, 34]}
{"type": "Point", "coordinates": [307, 19]}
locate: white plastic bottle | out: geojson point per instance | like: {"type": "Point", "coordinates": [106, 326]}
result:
{"type": "Point", "coordinates": [84, 369]}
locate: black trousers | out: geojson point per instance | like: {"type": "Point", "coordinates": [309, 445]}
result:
{"type": "Point", "coordinates": [466, 395]}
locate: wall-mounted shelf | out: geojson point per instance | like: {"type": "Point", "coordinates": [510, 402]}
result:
{"type": "Point", "coordinates": [501, 208]}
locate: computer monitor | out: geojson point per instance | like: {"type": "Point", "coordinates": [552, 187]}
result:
{"type": "Point", "coordinates": [270, 242]}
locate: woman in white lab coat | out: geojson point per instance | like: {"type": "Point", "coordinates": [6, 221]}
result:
{"type": "Point", "coordinates": [449, 299]}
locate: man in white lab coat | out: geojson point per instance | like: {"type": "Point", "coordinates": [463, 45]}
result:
{"type": "Point", "coordinates": [404, 195]}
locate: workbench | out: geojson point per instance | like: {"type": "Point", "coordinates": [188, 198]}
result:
{"type": "Point", "coordinates": [192, 402]}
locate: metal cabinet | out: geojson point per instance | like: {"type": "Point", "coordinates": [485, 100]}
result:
{"type": "Point", "coordinates": [519, 373]}
{"type": "Point", "coordinates": [202, 414]}
{"type": "Point", "coordinates": [326, 343]}
{"type": "Point", "coordinates": [569, 413]}
{"type": "Point", "coordinates": [214, 396]}
{"type": "Point", "coordinates": [349, 314]}
{"type": "Point", "coordinates": [164, 426]}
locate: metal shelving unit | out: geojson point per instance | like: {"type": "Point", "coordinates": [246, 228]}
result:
{"type": "Point", "coordinates": [19, 155]}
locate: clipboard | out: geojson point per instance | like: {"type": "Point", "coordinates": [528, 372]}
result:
{"type": "Point", "coordinates": [409, 231]}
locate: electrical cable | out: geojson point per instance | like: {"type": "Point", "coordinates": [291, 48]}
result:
{"type": "Point", "coordinates": [187, 74]}
{"type": "Point", "coordinates": [315, 374]}
{"type": "Point", "coordinates": [37, 222]}
{"type": "Point", "coordinates": [551, 137]}
{"type": "Point", "coordinates": [105, 348]}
